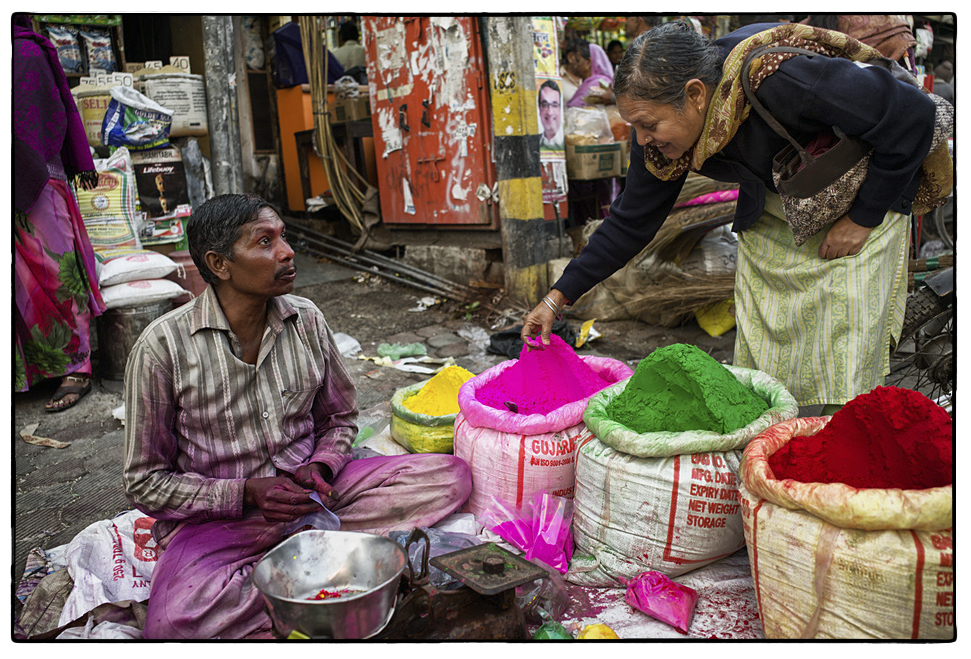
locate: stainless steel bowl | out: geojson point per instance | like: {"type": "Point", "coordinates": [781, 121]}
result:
{"type": "Point", "coordinates": [299, 567]}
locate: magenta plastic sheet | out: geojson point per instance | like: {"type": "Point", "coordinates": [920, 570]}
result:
{"type": "Point", "coordinates": [541, 528]}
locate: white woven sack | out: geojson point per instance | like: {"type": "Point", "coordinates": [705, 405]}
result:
{"type": "Point", "coordinates": [513, 456]}
{"type": "Point", "coordinates": [110, 561]}
{"type": "Point", "coordinates": [143, 291]}
{"type": "Point", "coordinates": [513, 467]}
{"type": "Point", "coordinates": [670, 515]}
{"type": "Point", "coordinates": [830, 561]}
{"type": "Point", "coordinates": [118, 266]}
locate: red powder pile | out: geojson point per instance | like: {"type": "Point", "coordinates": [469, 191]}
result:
{"type": "Point", "coordinates": [542, 381]}
{"type": "Point", "coordinates": [888, 438]}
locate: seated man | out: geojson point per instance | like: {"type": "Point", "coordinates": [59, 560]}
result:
{"type": "Point", "coordinates": [238, 408]}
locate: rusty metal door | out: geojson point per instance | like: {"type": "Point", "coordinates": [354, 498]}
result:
{"type": "Point", "coordinates": [432, 122]}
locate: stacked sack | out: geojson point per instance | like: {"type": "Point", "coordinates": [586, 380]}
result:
{"type": "Point", "coordinates": [519, 422]}
{"type": "Point", "coordinates": [657, 467]}
{"type": "Point", "coordinates": [128, 274]}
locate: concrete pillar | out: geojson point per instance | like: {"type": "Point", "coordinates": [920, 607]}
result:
{"type": "Point", "coordinates": [528, 241]}
{"type": "Point", "coordinates": [226, 160]}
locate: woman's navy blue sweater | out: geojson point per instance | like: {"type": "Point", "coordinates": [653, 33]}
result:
{"type": "Point", "coordinates": [807, 95]}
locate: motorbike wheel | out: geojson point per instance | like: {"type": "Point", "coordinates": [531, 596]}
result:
{"type": "Point", "coordinates": [924, 358]}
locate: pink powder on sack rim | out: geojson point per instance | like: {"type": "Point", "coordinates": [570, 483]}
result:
{"type": "Point", "coordinates": [542, 381]}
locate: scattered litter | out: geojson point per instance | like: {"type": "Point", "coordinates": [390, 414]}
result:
{"type": "Point", "coordinates": [425, 303]}
{"type": "Point", "coordinates": [412, 364]}
{"type": "Point", "coordinates": [28, 434]}
{"type": "Point", "coordinates": [314, 204]}
{"type": "Point", "coordinates": [382, 443]}
{"type": "Point", "coordinates": [398, 350]}
{"type": "Point", "coordinates": [587, 333]}
{"type": "Point", "coordinates": [347, 345]}
{"type": "Point", "coordinates": [119, 413]}
{"type": "Point", "coordinates": [460, 523]}
{"type": "Point", "coordinates": [477, 337]}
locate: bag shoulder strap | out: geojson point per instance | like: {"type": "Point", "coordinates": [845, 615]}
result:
{"type": "Point", "coordinates": [764, 111]}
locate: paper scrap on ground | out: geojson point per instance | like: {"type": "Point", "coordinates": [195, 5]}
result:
{"type": "Point", "coordinates": [412, 364]}
{"type": "Point", "coordinates": [28, 434]}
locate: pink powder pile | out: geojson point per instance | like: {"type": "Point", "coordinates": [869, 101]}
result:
{"type": "Point", "coordinates": [542, 381]}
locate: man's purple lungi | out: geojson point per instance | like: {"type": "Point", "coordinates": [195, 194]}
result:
{"type": "Point", "coordinates": [201, 586]}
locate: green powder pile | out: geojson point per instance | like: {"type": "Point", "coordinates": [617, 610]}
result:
{"type": "Point", "coordinates": [679, 388]}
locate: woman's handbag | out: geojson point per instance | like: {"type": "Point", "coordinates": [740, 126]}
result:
{"type": "Point", "coordinates": [817, 182]}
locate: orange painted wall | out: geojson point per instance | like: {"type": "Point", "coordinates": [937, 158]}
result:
{"type": "Point", "coordinates": [295, 108]}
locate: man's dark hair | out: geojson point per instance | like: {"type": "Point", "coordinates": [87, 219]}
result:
{"type": "Point", "coordinates": [216, 226]}
{"type": "Point", "coordinates": [348, 32]}
{"type": "Point", "coordinates": [549, 84]}
{"type": "Point", "coordinates": [613, 43]}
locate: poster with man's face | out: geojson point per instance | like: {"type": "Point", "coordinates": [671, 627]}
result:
{"type": "Point", "coordinates": [549, 101]}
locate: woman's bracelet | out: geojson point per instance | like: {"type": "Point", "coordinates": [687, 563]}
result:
{"type": "Point", "coordinates": [552, 306]}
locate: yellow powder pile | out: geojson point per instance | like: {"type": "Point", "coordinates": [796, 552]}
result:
{"type": "Point", "coordinates": [440, 395]}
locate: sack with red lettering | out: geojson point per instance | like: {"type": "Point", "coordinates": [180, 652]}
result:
{"type": "Point", "coordinates": [666, 502]}
{"type": "Point", "coordinates": [833, 561]}
{"type": "Point", "coordinates": [110, 561]}
{"type": "Point", "coordinates": [513, 456]}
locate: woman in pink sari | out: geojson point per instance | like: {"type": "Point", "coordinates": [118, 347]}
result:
{"type": "Point", "coordinates": [600, 80]}
{"type": "Point", "coordinates": [55, 281]}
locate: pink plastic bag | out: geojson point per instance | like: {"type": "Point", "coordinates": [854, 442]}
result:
{"type": "Point", "coordinates": [541, 528]}
{"type": "Point", "coordinates": [659, 597]}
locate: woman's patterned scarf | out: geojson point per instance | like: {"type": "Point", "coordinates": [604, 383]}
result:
{"type": "Point", "coordinates": [729, 107]}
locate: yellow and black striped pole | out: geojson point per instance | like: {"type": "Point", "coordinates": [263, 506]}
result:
{"type": "Point", "coordinates": [528, 241]}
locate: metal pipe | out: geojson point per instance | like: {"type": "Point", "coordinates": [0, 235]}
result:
{"type": "Point", "coordinates": [367, 256]}
{"type": "Point", "coordinates": [386, 275]}
{"type": "Point", "coordinates": [355, 258]}
{"type": "Point", "coordinates": [378, 258]}
{"type": "Point", "coordinates": [355, 262]}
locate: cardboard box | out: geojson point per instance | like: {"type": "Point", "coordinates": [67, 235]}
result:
{"type": "Point", "coordinates": [351, 109]}
{"type": "Point", "coordinates": [593, 161]}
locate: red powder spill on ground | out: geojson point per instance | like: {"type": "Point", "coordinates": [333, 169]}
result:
{"type": "Point", "coordinates": [542, 380]}
{"type": "Point", "coordinates": [888, 438]}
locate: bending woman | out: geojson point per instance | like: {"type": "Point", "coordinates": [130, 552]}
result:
{"type": "Point", "coordinates": [822, 316]}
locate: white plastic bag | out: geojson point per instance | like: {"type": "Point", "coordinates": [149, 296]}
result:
{"type": "Point", "coordinates": [110, 561]}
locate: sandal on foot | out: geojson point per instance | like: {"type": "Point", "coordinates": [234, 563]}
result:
{"type": "Point", "coordinates": [80, 390]}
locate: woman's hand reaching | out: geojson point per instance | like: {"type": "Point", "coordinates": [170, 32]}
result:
{"type": "Point", "coordinates": [540, 319]}
{"type": "Point", "coordinates": [844, 238]}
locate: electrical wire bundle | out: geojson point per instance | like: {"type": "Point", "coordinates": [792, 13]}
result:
{"type": "Point", "coordinates": [347, 195]}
